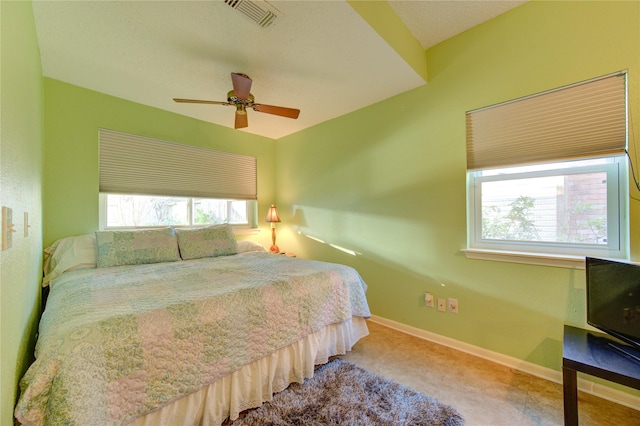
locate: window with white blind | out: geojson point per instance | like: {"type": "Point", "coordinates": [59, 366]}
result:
{"type": "Point", "coordinates": [547, 173]}
{"type": "Point", "coordinates": [148, 182]}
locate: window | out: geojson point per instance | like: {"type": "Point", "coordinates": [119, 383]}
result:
{"type": "Point", "coordinates": [570, 208]}
{"type": "Point", "coordinates": [130, 211]}
{"type": "Point", "coordinates": [547, 173]}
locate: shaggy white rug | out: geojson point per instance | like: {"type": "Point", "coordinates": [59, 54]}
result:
{"type": "Point", "coordinates": [341, 393]}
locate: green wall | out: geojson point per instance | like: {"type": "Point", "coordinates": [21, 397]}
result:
{"type": "Point", "coordinates": [73, 117]}
{"type": "Point", "coordinates": [21, 150]}
{"type": "Point", "coordinates": [389, 181]}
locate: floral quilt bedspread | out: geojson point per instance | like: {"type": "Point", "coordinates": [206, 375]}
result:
{"type": "Point", "coordinates": [116, 343]}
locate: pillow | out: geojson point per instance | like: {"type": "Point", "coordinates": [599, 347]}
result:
{"type": "Point", "coordinates": [209, 241]}
{"type": "Point", "coordinates": [67, 254]}
{"type": "Point", "coordinates": [246, 245]}
{"type": "Point", "coordinates": [116, 248]}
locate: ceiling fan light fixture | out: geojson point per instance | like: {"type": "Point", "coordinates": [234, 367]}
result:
{"type": "Point", "coordinates": [241, 120]}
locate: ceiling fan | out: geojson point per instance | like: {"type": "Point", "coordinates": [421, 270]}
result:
{"type": "Point", "coordinates": [241, 98]}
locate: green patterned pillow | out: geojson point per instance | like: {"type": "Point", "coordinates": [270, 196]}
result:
{"type": "Point", "coordinates": [117, 248]}
{"type": "Point", "coordinates": [210, 241]}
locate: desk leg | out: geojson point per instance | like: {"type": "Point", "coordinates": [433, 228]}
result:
{"type": "Point", "coordinates": [570, 391]}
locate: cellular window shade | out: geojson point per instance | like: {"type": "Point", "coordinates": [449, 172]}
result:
{"type": "Point", "coordinates": [583, 120]}
{"type": "Point", "coordinates": [131, 164]}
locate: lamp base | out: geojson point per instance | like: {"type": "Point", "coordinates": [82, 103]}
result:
{"type": "Point", "coordinates": [274, 249]}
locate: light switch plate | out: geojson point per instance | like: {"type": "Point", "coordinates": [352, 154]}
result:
{"type": "Point", "coordinates": [7, 228]}
{"type": "Point", "coordinates": [26, 224]}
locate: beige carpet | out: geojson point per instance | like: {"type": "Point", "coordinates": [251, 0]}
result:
{"type": "Point", "coordinates": [484, 393]}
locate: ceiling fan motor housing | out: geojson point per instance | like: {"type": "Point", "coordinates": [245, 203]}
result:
{"type": "Point", "coordinates": [234, 100]}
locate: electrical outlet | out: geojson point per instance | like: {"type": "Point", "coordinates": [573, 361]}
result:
{"type": "Point", "coordinates": [453, 305]}
{"type": "Point", "coordinates": [442, 305]}
{"type": "Point", "coordinates": [428, 300]}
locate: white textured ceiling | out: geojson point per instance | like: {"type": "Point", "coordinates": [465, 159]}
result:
{"type": "Point", "coordinates": [319, 56]}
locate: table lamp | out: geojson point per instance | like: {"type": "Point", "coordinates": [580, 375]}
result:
{"type": "Point", "coordinates": [272, 217]}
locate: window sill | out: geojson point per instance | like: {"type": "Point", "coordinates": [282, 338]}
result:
{"type": "Point", "coordinates": [558, 261]}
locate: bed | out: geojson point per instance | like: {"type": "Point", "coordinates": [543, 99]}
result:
{"type": "Point", "coordinates": [181, 326]}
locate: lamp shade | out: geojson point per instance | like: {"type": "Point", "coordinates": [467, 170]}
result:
{"type": "Point", "coordinates": [272, 214]}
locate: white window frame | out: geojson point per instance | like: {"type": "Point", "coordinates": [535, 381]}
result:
{"type": "Point", "coordinates": [239, 228]}
{"type": "Point", "coordinates": [553, 254]}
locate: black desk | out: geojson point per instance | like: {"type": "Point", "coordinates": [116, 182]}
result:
{"type": "Point", "coordinates": [589, 352]}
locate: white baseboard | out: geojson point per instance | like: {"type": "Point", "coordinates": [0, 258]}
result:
{"type": "Point", "coordinates": [555, 376]}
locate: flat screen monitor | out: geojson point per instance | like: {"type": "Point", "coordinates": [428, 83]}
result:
{"type": "Point", "coordinates": [613, 298]}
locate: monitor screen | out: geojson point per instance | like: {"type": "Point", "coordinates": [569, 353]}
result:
{"type": "Point", "coordinates": [613, 298]}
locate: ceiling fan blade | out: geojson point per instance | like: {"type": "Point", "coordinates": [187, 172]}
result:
{"type": "Point", "coordinates": [241, 117]}
{"type": "Point", "coordinates": [197, 101]}
{"type": "Point", "coordinates": [277, 110]}
{"type": "Point", "coordinates": [241, 85]}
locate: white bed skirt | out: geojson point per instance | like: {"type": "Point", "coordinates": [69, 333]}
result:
{"type": "Point", "coordinates": [256, 383]}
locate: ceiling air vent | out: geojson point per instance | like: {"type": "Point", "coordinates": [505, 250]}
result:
{"type": "Point", "coordinates": [259, 11]}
